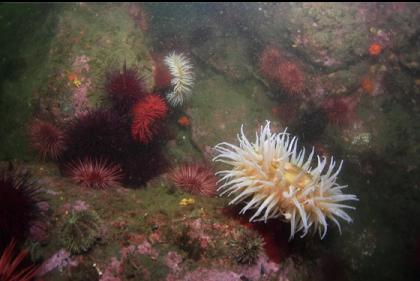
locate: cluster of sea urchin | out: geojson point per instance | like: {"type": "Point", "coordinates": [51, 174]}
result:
{"type": "Point", "coordinates": [182, 78]}
{"type": "Point", "coordinates": [272, 177]}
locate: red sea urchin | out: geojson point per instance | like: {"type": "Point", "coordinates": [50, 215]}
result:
{"type": "Point", "coordinates": [145, 114]}
{"type": "Point", "coordinates": [341, 111]}
{"type": "Point", "coordinates": [46, 139]}
{"type": "Point", "coordinates": [124, 88]}
{"type": "Point", "coordinates": [97, 174]}
{"type": "Point", "coordinates": [195, 178]}
{"type": "Point", "coordinates": [19, 205]}
{"type": "Point", "coordinates": [291, 78]}
{"type": "Point", "coordinates": [269, 60]}
{"type": "Point", "coordinates": [9, 265]}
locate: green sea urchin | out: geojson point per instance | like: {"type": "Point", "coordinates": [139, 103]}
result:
{"type": "Point", "coordinates": [247, 247]}
{"type": "Point", "coordinates": [80, 231]}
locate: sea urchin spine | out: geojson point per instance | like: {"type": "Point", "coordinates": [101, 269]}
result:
{"type": "Point", "coordinates": [46, 139]}
{"type": "Point", "coordinates": [291, 78]}
{"type": "Point", "coordinates": [80, 231]}
{"type": "Point", "coordinates": [145, 114]}
{"type": "Point", "coordinates": [195, 178]}
{"type": "Point", "coordinates": [124, 88]}
{"type": "Point", "coordinates": [98, 174]}
{"type": "Point", "coordinates": [276, 180]}
{"type": "Point", "coordinates": [10, 265]}
{"type": "Point", "coordinates": [269, 60]}
{"type": "Point", "coordinates": [19, 205]}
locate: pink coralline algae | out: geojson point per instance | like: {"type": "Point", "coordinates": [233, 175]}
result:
{"type": "Point", "coordinates": [172, 260]}
{"type": "Point", "coordinates": [146, 249]}
{"type": "Point", "coordinates": [112, 271]}
{"type": "Point", "coordinates": [80, 64]}
{"type": "Point", "coordinates": [211, 275]}
{"type": "Point", "coordinates": [254, 272]}
{"type": "Point", "coordinates": [115, 268]}
{"type": "Point", "coordinates": [77, 206]}
{"type": "Point", "coordinates": [80, 99]}
{"type": "Point", "coordinates": [59, 260]}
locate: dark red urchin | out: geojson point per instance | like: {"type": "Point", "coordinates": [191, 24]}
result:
{"type": "Point", "coordinates": [341, 111]}
{"type": "Point", "coordinates": [269, 60]}
{"type": "Point", "coordinates": [291, 78]}
{"type": "Point", "coordinates": [124, 88]}
{"type": "Point", "coordinates": [97, 134]}
{"type": "Point", "coordinates": [195, 178]}
{"type": "Point", "coordinates": [161, 74]}
{"type": "Point", "coordinates": [19, 205]}
{"type": "Point", "coordinates": [46, 139]}
{"type": "Point", "coordinates": [10, 265]}
{"type": "Point", "coordinates": [97, 174]}
{"type": "Point", "coordinates": [142, 163]}
{"type": "Point", "coordinates": [146, 114]}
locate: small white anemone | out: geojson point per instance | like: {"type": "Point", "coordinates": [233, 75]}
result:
{"type": "Point", "coordinates": [182, 78]}
{"type": "Point", "coordinates": [273, 178]}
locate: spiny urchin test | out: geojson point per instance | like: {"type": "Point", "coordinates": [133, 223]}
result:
{"type": "Point", "coordinates": [272, 176]}
{"type": "Point", "coordinates": [182, 78]}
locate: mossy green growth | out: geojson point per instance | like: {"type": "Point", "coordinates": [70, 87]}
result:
{"type": "Point", "coordinates": [142, 267]}
{"type": "Point", "coordinates": [80, 231]}
{"type": "Point", "coordinates": [218, 113]}
{"type": "Point", "coordinates": [188, 244]}
{"type": "Point", "coordinates": [83, 272]}
{"type": "Point", "coordinates": [22, 69]}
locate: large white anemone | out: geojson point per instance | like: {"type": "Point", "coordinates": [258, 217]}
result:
{"type": "Point", "coordinates": [275, 179]}
{"type": "Point", "coordinates": [182, 78]}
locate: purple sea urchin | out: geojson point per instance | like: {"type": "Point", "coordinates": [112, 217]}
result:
{"type": "Point", "coordinates": [124, 88]}
{"type": "Point", "coordinates": [97, 134]}
{"type": "Point", "coordinates": [19, 205]}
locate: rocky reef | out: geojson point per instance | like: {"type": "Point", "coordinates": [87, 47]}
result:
{"type": "Point", "coordinates": [84, 108]}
